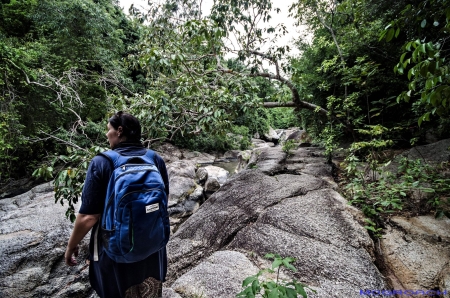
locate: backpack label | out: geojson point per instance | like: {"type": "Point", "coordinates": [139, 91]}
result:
{"type": "Point", "coordinates": [151, 208]}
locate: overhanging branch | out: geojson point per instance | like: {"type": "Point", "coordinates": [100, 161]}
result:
{"type": "Point", "coordinates": [289, 104]}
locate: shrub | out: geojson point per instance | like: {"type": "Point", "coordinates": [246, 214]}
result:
{"type": "Point", "coordinates": [254, 285]}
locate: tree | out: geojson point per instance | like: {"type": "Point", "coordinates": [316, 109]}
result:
{"type": "Point", "coordinates": [426, 25]}
{"type": "Point", "coordinates": [191, 87]}
{"type": "Point", "coordinates": [60, 64]}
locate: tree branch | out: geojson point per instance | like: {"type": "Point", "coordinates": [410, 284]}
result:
{"type": "Point", "coordinates": [289, 104]}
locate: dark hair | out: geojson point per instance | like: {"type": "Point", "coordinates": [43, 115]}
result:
{"type": "Point", "coordinates": [131, 128]}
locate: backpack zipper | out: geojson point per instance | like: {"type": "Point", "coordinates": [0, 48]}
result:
{"type": "Point", "coordinates": [133, 171]}
{"type": "Point", "coordinates": [141, 190]}
{"type": "Point", "coordinates": [131, 232]}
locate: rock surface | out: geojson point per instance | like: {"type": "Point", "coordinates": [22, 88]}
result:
{"type": "Point", "coordinates": [437, 152]}
{"type": "Point", "coordinates": [271, 135]}
{"type": "Point", "coordinates": [279, 204]}
{"type": "Point", "coordinates": [263, 210]}
{"type": "Point", "coordinates": [181, 180]}
{"type": "Point", "coordinates": [417, 252]}
{"type": "Point", "coordinates": [33, 238]}
{"type": "Point", "coordinates": [268, 160]}
{"type": "Point", "coordinates": [198, 157]}
{"type": "Point", "coordinates": [169, 152]}
{"type": "Point", "coordinates": [211, 186]}
{"type": "Point", "coordinates": [215, 172]}
{"type": "Point", "coordinates": [220, 275]}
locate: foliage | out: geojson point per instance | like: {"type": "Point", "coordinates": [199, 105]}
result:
{"type": "Point", "coordinates": [425, 56]}
{"type": "Point", "coordinates": [283, 118]}
{"type": "Point", "coordinates": [268, 288]}
{"type": "Point", "coordinates": [380, 193]}
{"type": "Point", "coordinates": [70, 176]}
{"type": "Point", "coordinates": [288, 145]}
{"type": "Point", "coordinates": [188, 90]}
{"type": "Point", "coordinates": [238, 138]}
{"type": "Point", "coordinates": [65, 65]}
{"type": "Point", "coordinates": [60, 64]}
{"type": "Point", "coordinates": [257, 120]}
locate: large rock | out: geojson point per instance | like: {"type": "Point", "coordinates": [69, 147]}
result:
{"type": "Point", "coordinates": [15, 187]}
{"type": "Point", "coordinates": [306, 155]}
{"type": "Point", "coordinates": [169, 293]}
{"type": "Point", "coordinates": [271, 136]}
{"type": "Point", "coordinates": [334, 254]}
{"type": "Point", "coordinates": [181, 180]}
{"type": "Point", "coordinates": [243, 159]}
{"type": "Point", "coordinates": [33, 236]}
{"type": "Point", "coordinates": [437, 152]}
{"type": "Point", "coordinates": [287, 132]}
{"type": "Point", "coordinates": [202, 175]}
{"type": "Point", "coordinates": [185, 195]}
{"type": "Point", "coordinates": [211, 186]}
{"type": "Point", "coordinates": [417, 252]}
{"type": "Point", "coordinates": [292, 215]}
{"type": "Point", "coordinates": [231, 154]}
{"type": "Point", "coordinates": [268, 160]}
{"type": "Point", "coordinates": [220, 275]}
{"type": "Point", "coordinates": [169, 152]}
{"type": "Point", "coordinates": [198, 157]}
{"type": "Point", "coordinates": [188, 206]}
{"type": "Point", "coordinates": [216, 172]}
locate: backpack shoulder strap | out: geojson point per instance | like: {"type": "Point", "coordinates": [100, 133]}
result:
{"type": "Point", "coordinates": [150, 154]}
{"type": "Point", "coordinates": [149, 158]}
{"type": "Point", "coordinates": [114, 157]}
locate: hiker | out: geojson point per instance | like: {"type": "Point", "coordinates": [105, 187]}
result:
{"type": "Point", "coordinates": [107, 277]}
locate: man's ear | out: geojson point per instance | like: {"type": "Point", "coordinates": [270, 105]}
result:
{"type": "Point", "coordinates": [119, 129]}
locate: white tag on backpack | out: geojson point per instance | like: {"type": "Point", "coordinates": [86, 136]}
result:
{"type": "Point", "coordinates": [151, 208]}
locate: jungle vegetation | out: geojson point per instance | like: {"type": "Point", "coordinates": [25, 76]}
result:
{"type": "Point", "coordinates": [374, 74]}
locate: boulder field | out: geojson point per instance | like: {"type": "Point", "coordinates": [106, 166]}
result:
{"type": "Point", "coordinates": [280, 203]}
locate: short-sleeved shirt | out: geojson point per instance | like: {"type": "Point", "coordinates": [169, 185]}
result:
{"type": "Point", "coordinates": [108, 278]}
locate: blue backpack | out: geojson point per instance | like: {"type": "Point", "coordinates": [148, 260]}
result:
{"type": "Point", "coordinates": [135, 221]}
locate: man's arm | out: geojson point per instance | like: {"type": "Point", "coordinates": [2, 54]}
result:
{"type": "Point", "coordinates": [83, 224]}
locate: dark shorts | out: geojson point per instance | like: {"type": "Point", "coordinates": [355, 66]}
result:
{"type": "Point", "coordinates": [110, 279]}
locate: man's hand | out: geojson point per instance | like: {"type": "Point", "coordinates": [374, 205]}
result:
{"type": "Point", "coordinates": [70, 256]}
{"type": "Point", "coordinates": [83, 224]}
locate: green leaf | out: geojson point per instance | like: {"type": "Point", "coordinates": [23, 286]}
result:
{"type": "Point", "coordinates": [276, 263]}
{"type": "Point", "coordinates": [424, 70]}
{"type": "Point", "coordinates": [255, 286]}
{"type": "Point", "coordinates": [397, 32]}
{"type": "Point", "coordinates": [403, 57]}
{"type": "Point", "coordinates": [408, 46]}
{"type": "Point", "coordinates": [269, 256]}
{"type": "Point", "coordinates": [300, 289]}
{"type": "Point", "coordinates": [390, 34]}
{"type": "Point", "coordinates": [424, 23]}
{"type": "Point", "coordinates": [287, 264]}
{"type": "Point", "coordinates": [423, 48]}
{"type": "Point", "coordinates": [248, 280]}
{"type": "Point", "coordinates": [273, 293]}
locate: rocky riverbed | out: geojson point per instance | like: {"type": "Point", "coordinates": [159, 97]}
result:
{"type": "Point", "coordinates": [223, 226]}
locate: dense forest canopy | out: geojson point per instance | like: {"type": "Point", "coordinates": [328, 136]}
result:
{"type": "Point", "coordinates": [374, 70]}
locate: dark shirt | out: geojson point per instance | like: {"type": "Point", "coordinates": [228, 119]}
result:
{"type": "Point", "coordinates": [108, 278]}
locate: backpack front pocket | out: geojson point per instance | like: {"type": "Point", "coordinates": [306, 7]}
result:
{"type": "Point", "coordinates": [125, 232]}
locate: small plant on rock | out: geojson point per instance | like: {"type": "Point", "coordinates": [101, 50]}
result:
{"type": "Point", "coordinates": [288, 146]}
{"type": "Point", "coordinates": [268, 288]}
